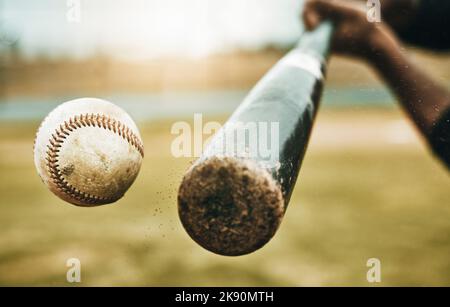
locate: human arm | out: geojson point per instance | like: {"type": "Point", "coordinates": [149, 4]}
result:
{"type": "Point", "coordinates": [425, 101]}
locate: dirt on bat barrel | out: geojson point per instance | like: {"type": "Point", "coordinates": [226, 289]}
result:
{"type": "Point", "coordinates": [230, 206]}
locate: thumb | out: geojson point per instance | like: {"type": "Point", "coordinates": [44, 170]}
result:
{"type": "Point", "coordinates": [311, 19]}
{"type": "Point", "coordinates": [315, 11]}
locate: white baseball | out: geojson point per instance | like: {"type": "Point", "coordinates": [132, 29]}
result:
{"type": "Point", "coordinates": [88, 152]}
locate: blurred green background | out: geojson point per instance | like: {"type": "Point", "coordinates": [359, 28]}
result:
{"type": "Point", "coordinates": [368, 188]}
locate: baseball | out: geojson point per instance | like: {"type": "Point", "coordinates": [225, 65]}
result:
{"type": "Point", "coordinates": [88, 152]}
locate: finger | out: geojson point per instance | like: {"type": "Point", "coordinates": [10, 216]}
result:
{"type": "Point", "coordinates": [311, 15]}
{"type": "Point", "coordinates": [332, 9]}
{"type": "Point", "coordinates": [325, 9]}
{"type": "Point", "coordinates": [311, 20]}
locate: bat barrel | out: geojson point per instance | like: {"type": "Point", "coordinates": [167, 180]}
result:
{"type": "Point", "coordinates": [233, 198]}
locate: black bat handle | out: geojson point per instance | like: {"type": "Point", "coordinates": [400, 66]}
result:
{"type": "Point", "coordinates": [287, 96]}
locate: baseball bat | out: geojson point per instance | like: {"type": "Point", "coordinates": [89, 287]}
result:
{"type": "Point", "coordinates": [233, 198]}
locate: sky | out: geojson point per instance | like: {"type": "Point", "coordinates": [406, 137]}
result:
{"type": "Point", "coordinates": [140, 29]}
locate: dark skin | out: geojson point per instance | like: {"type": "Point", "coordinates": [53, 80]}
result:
{"type": "Point", "coordinates": [423, 99]}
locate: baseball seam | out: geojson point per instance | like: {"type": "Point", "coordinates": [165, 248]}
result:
{"type": "Point", "coordinates": [57, 139]}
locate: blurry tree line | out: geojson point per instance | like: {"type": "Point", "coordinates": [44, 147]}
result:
{"type": "Point", "coordinates": [9, 56]}
{"type": "Point", "coordinates": [10, 51]}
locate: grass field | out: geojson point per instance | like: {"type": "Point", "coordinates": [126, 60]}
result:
{"type": "Point", "coordinates": [361, 194]}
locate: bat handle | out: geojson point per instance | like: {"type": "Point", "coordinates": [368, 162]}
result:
{"type": "Point", "coordinates": [318, 41]}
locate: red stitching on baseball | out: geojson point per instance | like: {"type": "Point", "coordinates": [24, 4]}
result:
{"type": "Point", "coordinates": [64, 130]}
